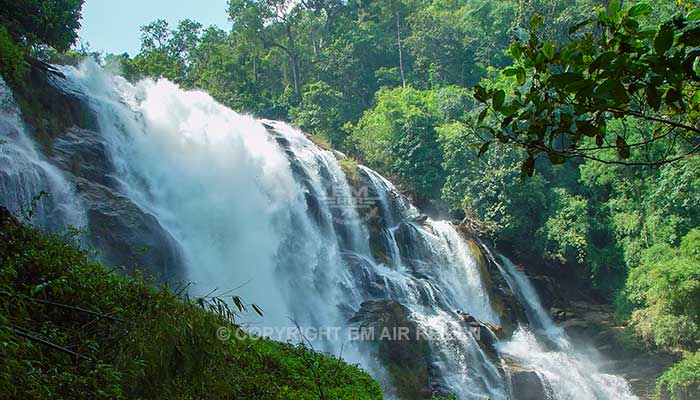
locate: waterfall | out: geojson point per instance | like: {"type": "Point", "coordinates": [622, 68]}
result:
{"type": "Point", "coordinates": [30, 186]}
{"type": "Point", "coordinates": [254, 206]}
{"type": "Point", "coordinates": [570, 374]}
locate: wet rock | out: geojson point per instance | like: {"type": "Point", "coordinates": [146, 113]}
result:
{"type": "Point", "coordinates": [282, 141]}
{"type": "Point", "coordinates": [128, 236]}
{"type": "Point", "coordinates": [371, 284]}
{"type": "Point", "coordinates": [399, 346]}
{"type": "Point", "coordinates": [509, 310]}
{"type": "Point", "coordinates": [412, 247]}
{"type": "Point", "coordinates": [593, 327]}
{"type": "Point", "coordinates": [49, 107]}
{"type": "Point", "coordinates": [526, 383]}
{"type": "Point", "coordinates": [548, 290]}
{"type": "Point", "coordinates": [487, 335]}
{"type": "Point", "coordinates": [420, 218]}
{"type": "Point", "coordinates": [83, 153]}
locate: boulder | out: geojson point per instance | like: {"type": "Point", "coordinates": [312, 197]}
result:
{"type": "Point", "coordinates": [128, 236]}
{"type": "Point", "coordinates": [406, 358]}
{"type": "Point", "coordinates": [526, 384]}
{"type": "Point", "coordinates": [510, 311]}
{"type": "Point", "coordinates": [420, 218]}
{"type": "Point", "coordinates": [487, 335]}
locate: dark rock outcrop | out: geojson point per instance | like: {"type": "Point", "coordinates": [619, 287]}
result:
{"type": "Point", "coordinates": [407, 360]}
{"type": "Point", "coordinates": [128, 236]}
{"type": "Point", "coordinates": [549, 292]}
{"type": "Point", "coordinates": [48, 107]}
{"type": "Point", "coordinates": [486, 335]}
{"type": "Point", "coordinates": [83, 153]}
{"type": "Point", "coordinates": [503, 301]}
{"type": "Point", "coordinates": [67, 130]}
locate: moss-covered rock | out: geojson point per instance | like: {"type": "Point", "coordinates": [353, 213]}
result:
{"type": "Point", "coordinates": [510, 312]}
{"type": "Point", "coordinates": [47, 109]}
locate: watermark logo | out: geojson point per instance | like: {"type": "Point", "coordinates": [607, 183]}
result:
{"type": "Point", "coordinates": [352, 206]}
{"type": "Point", "coordinates": [223, 333]}
{"type": "Point", "coordinates": [351, 334]}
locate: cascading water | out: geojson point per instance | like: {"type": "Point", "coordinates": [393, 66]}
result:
{"type": "Point", "coordinates": [570, 374]}
{"type": "Point", "coordinates": [256, 204]}
{"type": "Point", "coordinates": [29, 184]}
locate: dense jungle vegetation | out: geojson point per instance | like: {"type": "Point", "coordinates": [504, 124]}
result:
{"type": "Point", "coordinates": [568, 129]}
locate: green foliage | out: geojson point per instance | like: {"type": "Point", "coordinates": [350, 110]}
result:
{"type": "Point", "coordinates": [320, 112]}
{"type": "Point", "coordinates": [69, 328]}
{"type": "Point", "coordinates": [489, 187]}
{"type": "Point", "coordinates": [399, 135]}
{"type": "Point", "coordinates": [351, 171]}
{"type": "Point", "coordinates": [568, 94]}
{"type": "Point", "coordinates": [48, 22]}
{"type": "Point", "coordinates": [566, 231]}
{"type": "Point", "coordinates": [682, 381]}
{"type": "Point", "coordinates": [666, 290]}
{"type": "Point", "coordinates": [34, 25]}
{"type": "Point", "coordinates": [12, 64]}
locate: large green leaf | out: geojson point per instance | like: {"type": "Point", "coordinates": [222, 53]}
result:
{"type": "Point", "coordinates": [638, 10]}
{"type": "Point", "coordinates": [498, 98]}
{"type": "Point", "coordinates": [548, 50]}
{"type": "Point", "coordinates": [664, 40]}
{"type": "Point", "coordinates": [614, 7]}
{"type": "Point", "coordinates": [622, 148]}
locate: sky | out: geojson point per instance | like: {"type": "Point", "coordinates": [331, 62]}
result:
{"type": "Point", "coordinates": [112, 26]}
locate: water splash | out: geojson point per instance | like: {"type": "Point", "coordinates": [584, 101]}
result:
{"type": "Point", "coordinates": [569, 373]}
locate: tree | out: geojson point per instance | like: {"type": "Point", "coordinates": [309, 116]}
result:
{"type": "Point", "coordinates": [26, 25]}
{"type": "Point", "coordinates": [620, 69]}
{"type": "Point", "coordinates": [488, 189]}
{"type": "Point", "coordinates": [666, 290]}
{"type": "Point", "coordinates": [274, 24]}
{"type": "Point", "coordinates": [399, 135]}
{"type": "Point", "coordinates": [168, 53]}
{"type": "Point", "coordinates": [33, 22]}
{"type": "Point", "coordinates": [320, 112]}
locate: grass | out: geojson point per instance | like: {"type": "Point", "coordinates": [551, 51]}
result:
{"type": "Point", "coordinates": [71, 329]}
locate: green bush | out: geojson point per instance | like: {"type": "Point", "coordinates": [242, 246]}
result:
{"type": "Point", "coordinates": [666, 290]}
{"type": "Point", "coordinates": [12, 64]}
{"type": "Point", "coordinates": [682, 381]}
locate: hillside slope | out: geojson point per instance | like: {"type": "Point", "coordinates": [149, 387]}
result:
{"type": "Point", "coordinates": [71, 329]}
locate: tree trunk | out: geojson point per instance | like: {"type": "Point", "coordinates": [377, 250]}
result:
{"type": "Point", "coordinates": [398, 41]}
{"type": "Point", "coordinates": [294, 61]}
{"type": "Point", "coordinates": [295, 75]}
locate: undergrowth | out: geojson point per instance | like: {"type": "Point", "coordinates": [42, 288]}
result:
{"type": "Point", "coordinates": [71, 329]}
{"type": "Point", "coordinates": [681, 381]}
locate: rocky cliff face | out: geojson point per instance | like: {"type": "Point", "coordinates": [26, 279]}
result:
{"type": "Point", "coordinates": [125, 234]}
